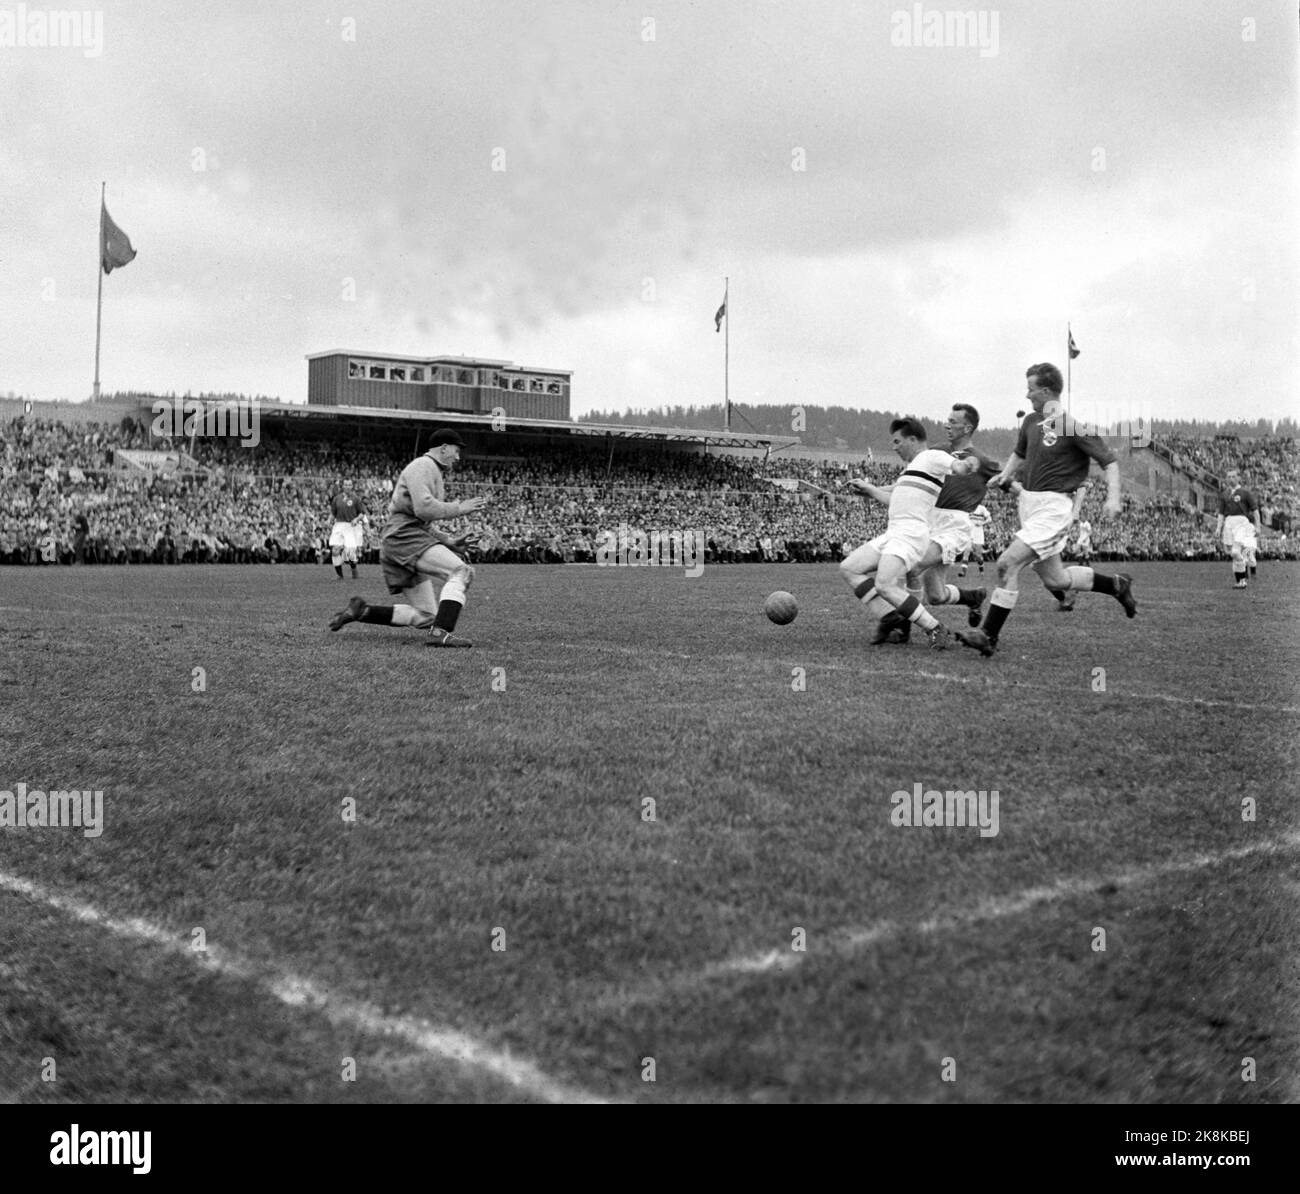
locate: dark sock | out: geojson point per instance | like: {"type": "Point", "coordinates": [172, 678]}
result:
{"type": "Point", "coordinates": [993, 621]}
{"type": "Point", "coordinates": [1101, 583]}
{"type": "Point", "coordinates": [1252, 571]}
{"type": "Point", "coordinates": [382, 614]}
{"type": "Point", "coordinates": [338, 568]}
{"type": "Point", "coordinates": [968, 597]}
{"type": "Point", "coordinates": [1238, 576]}
{"type": "Point", "coordinates": [1059, 594]}
{"type": "Point", "coordinates": [448, 612]}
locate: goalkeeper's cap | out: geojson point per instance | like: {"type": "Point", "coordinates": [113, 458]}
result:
{"type": "Point", "coordinates": [446, 436]}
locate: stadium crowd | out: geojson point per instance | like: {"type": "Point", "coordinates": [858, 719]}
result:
{"type": "Point", "coordinates": [63, 499]}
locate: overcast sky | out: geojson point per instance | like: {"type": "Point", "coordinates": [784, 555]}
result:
{"type": "Point", "coordinates": [1128, 166]}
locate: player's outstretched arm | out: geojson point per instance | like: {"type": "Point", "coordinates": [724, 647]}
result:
{"type": "Point", "coordinates": [1008, 474]}
{"type": "Point", "coordinates": [864, 488]}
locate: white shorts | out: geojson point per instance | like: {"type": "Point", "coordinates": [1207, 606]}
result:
{"type": "Point", "coordinates": [346, 536]}
{"type": "Point", "coordinates": [1045, 519]}
{"type": "Point", "coordinates": [1239, 534]}
{"type": "Point", "coordinates": [976, 534]}
{"type": "Point", "coordinates": [905, 538]}
{"type": "Point", "coordinates": [952, 531]}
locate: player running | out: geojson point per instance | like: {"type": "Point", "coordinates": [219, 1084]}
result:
{"type": "Point", "coordinates": [1238, 526]}
{"type": "Point", "coordinates": [413, 554]}
{"type": "Point", "coordinates": [345, 537]}
{"type": "Point", "coordinates": [1057, 465]}
{"type": "Point", "coordinates": [877, 571]}
{"type": "Point", "coordinates": [951, 531]}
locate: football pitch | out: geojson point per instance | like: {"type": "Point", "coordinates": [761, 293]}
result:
{"type": "Point", "coordinates": [639, 844]}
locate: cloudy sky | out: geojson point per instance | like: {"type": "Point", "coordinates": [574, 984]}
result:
{"type": "Point", "coordinates": [567, 183]}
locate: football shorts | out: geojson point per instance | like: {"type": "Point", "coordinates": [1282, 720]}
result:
{"type": "Point", "coordinates": [437, 561]}
{"type": "Point", "coordinates": [905, 538]}
{"type": "Point", "coordinates": [346, 535]}
{"type": "Point", "coordinates": [952, 531]}
{"type": "Point", "coordinates": [1045, 519]}
{"type": "Point", "coordinates": [1239, 534]}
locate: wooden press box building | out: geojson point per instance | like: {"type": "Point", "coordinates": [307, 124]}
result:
{"type": "Point", "coordinates": [465, 384]}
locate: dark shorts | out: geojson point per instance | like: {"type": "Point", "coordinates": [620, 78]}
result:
{"type": "Point", "coordinates": [400, 547]}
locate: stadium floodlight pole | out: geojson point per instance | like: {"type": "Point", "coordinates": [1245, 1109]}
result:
{"type": "Point", "coordinates": [99, 297]}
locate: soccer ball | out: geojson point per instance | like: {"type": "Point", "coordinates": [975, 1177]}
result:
{"type": "Point", "coordinates": [780, 607]}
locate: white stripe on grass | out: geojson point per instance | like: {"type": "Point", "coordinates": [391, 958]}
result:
{"type": "Point", "coordinates": [293, 990]}
{"type": "Point", "coordinates": [845, 942]}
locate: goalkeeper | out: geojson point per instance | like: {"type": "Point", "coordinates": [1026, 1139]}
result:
{"type": "Point", "coordinates": [413, 554]}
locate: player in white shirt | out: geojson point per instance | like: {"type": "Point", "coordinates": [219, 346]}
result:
{"type": "Point", "coordinates": [877, 571]}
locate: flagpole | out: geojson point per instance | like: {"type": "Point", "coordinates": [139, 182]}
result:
{"type": "Point", "coordinates": [726, 352]}
{"type": "Point", "coordinates": [99, 297]}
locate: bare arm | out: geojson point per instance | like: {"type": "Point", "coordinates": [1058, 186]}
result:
{"type": "Point", "coordinates": [866, 489]}
{"type": "Point", "coordinates": [1008, 473]}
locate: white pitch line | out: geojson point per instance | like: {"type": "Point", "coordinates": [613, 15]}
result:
{"type": "Point", "coordinates": [1118, 693]}
{"type": "Point", "coordinates": [997, 681]}
{"type": "Point", "coordinates": [444, 1044]}
{"type": "Point", "coordinates": [848, 941]}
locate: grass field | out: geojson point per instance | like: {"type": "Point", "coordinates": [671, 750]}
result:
{"type": "Point", "coordinates": [500, 798]}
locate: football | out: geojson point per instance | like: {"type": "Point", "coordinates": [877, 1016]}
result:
{"type": "Point", "coordinates": [781, 607]}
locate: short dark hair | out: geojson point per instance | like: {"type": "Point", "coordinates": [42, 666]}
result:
{"type": "Point", "coordinates": [911, 427]}
{"type": "Point", "coordinates": [972, 415]}
{"type": "Point", "coordinates": [1048, 377]}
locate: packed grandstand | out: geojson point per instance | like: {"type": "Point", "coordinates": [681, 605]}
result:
{"type": "Point", "coordinates": [64, 499]}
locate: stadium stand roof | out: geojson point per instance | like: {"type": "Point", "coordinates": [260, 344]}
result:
{"type": "Point", "coordinates": [376, 416]}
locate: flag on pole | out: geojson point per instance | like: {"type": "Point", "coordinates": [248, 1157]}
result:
{"type": "Point", "coordinates": [1074, 348]}
{"type": "Point", "coordinates": [114, 245]}
{"type": "Point", "coordinates": [720, 316]}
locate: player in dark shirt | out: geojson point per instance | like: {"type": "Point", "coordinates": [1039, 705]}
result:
{"type": "Point", "coordinates": [1238, 526]}
{"type": "Point", "coordinates": [345, 537]}
{"type": "Point", "coordinates": [1057, 464]}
